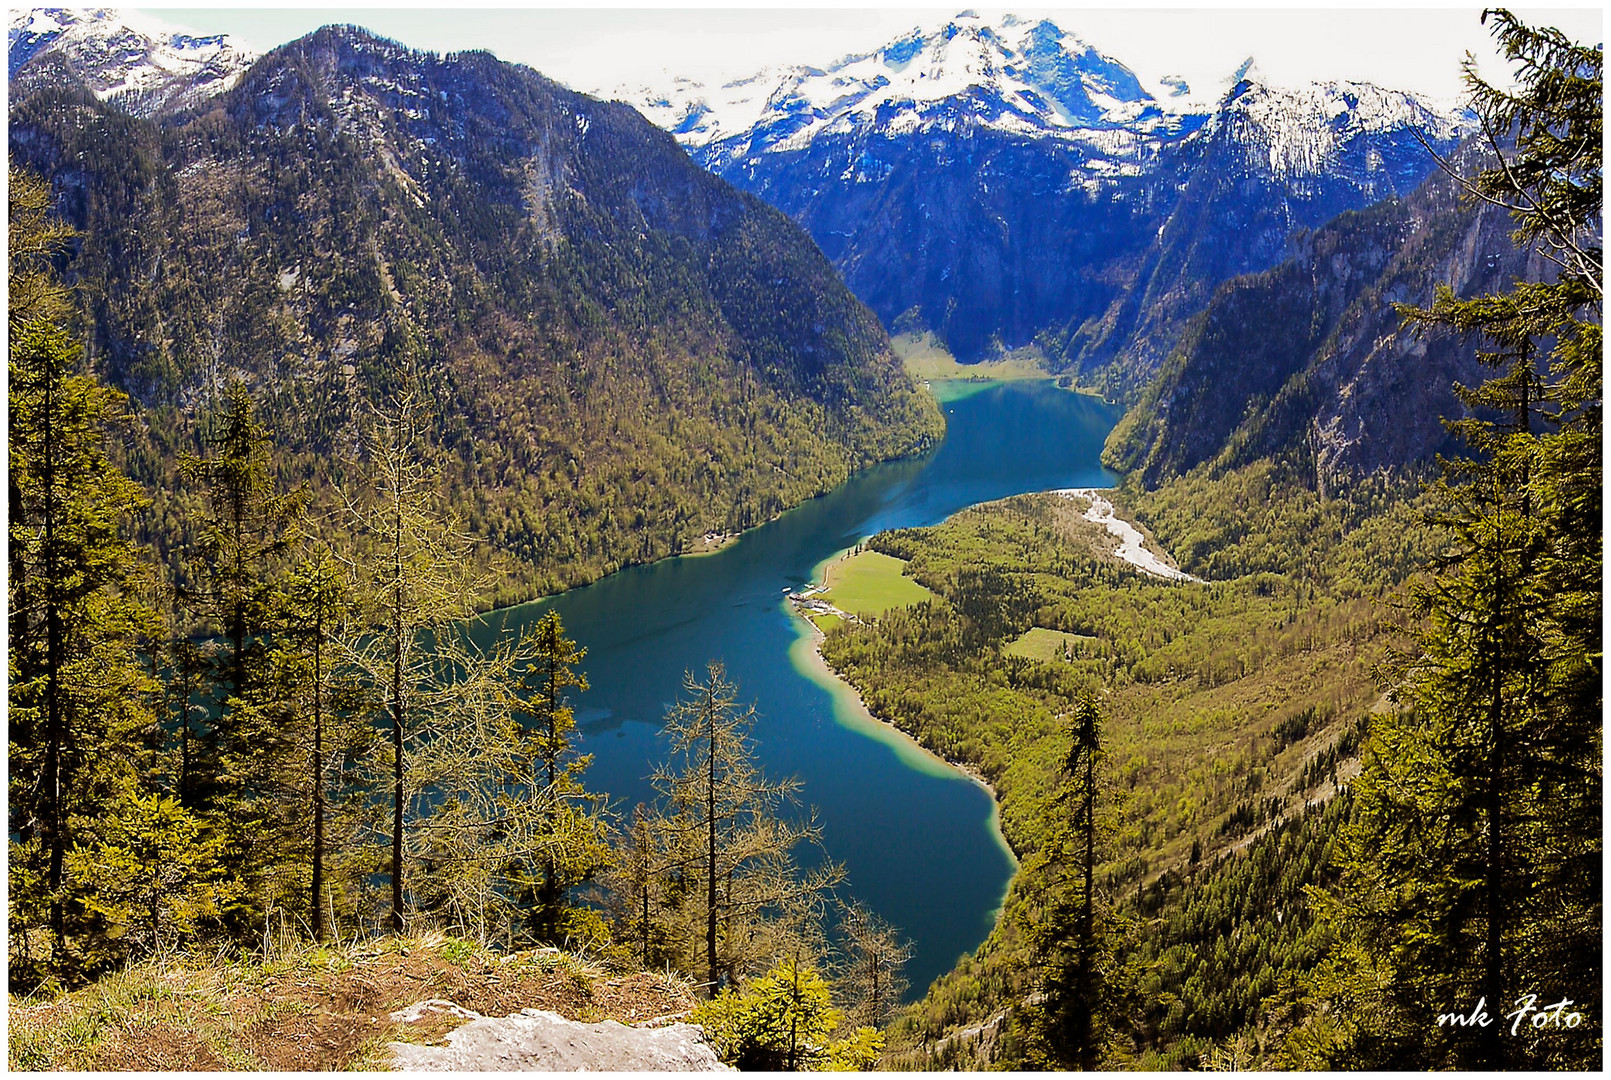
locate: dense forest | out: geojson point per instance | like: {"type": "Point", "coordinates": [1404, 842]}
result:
{"type": "Point", "coordinates": [1339, 803]}
{"type": "Point", "coordinates": [619, 352]}
{"type": "Point", "coordinates": [1330, 806]}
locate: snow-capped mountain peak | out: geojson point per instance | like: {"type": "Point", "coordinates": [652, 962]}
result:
{"type": "Point", "coordinates": [1025, 76]}
{"type": "Point", "coordinates": [1290, 132]}
{"type": "Point", "coordinates": [1032, 78]}
{"type": "Point", "coordinates": [126, 58]}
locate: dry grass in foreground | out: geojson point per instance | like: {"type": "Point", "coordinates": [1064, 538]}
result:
{"type": "Point", "coordinates": [313, 1008]}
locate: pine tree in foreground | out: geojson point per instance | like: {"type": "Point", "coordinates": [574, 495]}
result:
{"type": "Point", "coordinates": [1069, 1025]}
{"type": "Point", "coordinates": [1472, 865]}
{"type": "Point", "coordinates": [80, 701]}
{"type": "Point", "coordinates": [546, 667]}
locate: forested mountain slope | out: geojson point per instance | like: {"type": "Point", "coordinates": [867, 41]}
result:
{"type": "Point", "coordinates": [1230, 708]}
{"type": "Point", "coordinates": [1311, 358]}
{"type": "Point", "coordinates": [624, 352]}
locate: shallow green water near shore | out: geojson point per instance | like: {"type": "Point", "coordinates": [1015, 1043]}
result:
{"type": "Point", "coordinates": [919, 839]}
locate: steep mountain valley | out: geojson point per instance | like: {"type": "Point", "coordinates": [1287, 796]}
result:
{"type": "Point", "coordinates": [683, 550]}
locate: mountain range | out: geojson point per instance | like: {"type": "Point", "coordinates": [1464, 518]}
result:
{"type": "Point", "coordinates": [1219, 259]}
{"type": "Point", "coordinates": [1006, 184]}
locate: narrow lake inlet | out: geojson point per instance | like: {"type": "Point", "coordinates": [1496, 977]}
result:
{"type": "Point", "coordinates": [919, 839]}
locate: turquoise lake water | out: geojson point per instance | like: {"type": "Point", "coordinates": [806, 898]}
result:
{"type": "Point", "coordinates": [918, 839]}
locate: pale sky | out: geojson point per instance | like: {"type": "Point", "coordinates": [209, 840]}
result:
{"type": "Point", "coordinates": [597, 49]}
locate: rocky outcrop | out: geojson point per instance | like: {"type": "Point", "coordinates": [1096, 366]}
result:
{"type": "Point", "coordinates": [535, 1040]}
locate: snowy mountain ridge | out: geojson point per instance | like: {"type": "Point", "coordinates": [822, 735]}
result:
{"type": "Point", "coordinates": [1022, 76]}
{"type": "Point", "coordinates": [1029, 78]}
{"type": "Point", "coordinates": [127, 58]}
{"type": "Point", "coordinates": [1289, 132]}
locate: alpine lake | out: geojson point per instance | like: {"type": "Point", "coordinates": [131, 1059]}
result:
{"type": "Point", "coordinates": [918, 838]}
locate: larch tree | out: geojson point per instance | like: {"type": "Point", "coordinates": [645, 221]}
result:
{"type": "Point", "coordinates": [417, 578]}
{"type": "Point", "coordinates": [749, 900]}
{"type": "Point", "coordinates": [872, 980]}
{"type": "Point", "coordinates": [486, 823]}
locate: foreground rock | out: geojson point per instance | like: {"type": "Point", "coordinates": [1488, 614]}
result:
{"type": "Point", "coordinates": [322, 1008]}
{"type": "Point", "coordinates": [537, 1040]}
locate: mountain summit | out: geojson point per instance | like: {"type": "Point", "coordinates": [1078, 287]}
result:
{"type": "Point", "coordinates": [1006, 183]}
{"type": "Point", "coordinates": [127, 60]}
{"type": "Point", "coordinates": [1019, 77]}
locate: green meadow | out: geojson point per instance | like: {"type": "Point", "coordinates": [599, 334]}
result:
{"type": "Point", "coordinates": [870, 584]}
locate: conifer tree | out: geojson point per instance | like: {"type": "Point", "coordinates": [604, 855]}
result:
{"type": "Point", "coordinates": [79, 699]}
{"type": "Point", "coordinates": [150, 875]}
{"type": "Point", "coordinates": [417, 579]}
{"type": "Point", "coordinates": [187, 665]}
{"type": "Point", "coordinates": [636, 889]}
{"type": "Point", "coordinates": [246, 531]}
{"type": "Point", "coordinates": [478, 811]}
{"type": "Point", "coordinates": [487, 824]}
{"type": "Point", "coordinates": [1068, 1027]}
{"type": "Point", "coordinates": [1472, 862]}
{"type": "Point", "coordinates": [872, 980]}
{"type": "Point", "coordinates": [315, 724]}
{"type": "Point", "coordinates": [34, 239]}
{"type": "Point", "coordinates": [547, 668]}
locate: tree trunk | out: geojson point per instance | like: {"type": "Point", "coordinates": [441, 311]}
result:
{"type": "Point", "coordinates": [548, 905]}
{"type": "Point", "coordinates": [318, 779]}
{"type": "Point", "coordinates": [55, 818]}
{"type": "Point", "coordinates": [1087, 1056]}
{"type": "Point", "coordinates": [710, 810]}
{"type": "Point", "coordinates": [1493, 1049]}
{"type": "Point", "coordinates": [397, 785]}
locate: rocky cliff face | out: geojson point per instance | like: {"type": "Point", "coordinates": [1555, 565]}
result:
{"type": "Point", "coordinates": [626, 352]}
{"type": "Point", "coordinates": [1268, 164]}
{"type": "Point", "coordinates": [1003, 183]}
{"type": "Point", "coordinates": [1311, 360]}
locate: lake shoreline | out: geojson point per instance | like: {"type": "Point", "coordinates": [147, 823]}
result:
{"type": "Point", "coordinates": [816, 665]}
{"type": "Point", "coordinates": [821, 668]}
{"type": "Point", "coordinates": [714, 543]}
{"type": "Point", "coordinates": [821, 663]}
{"type": "Point", "coordinates": [921, 836]}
